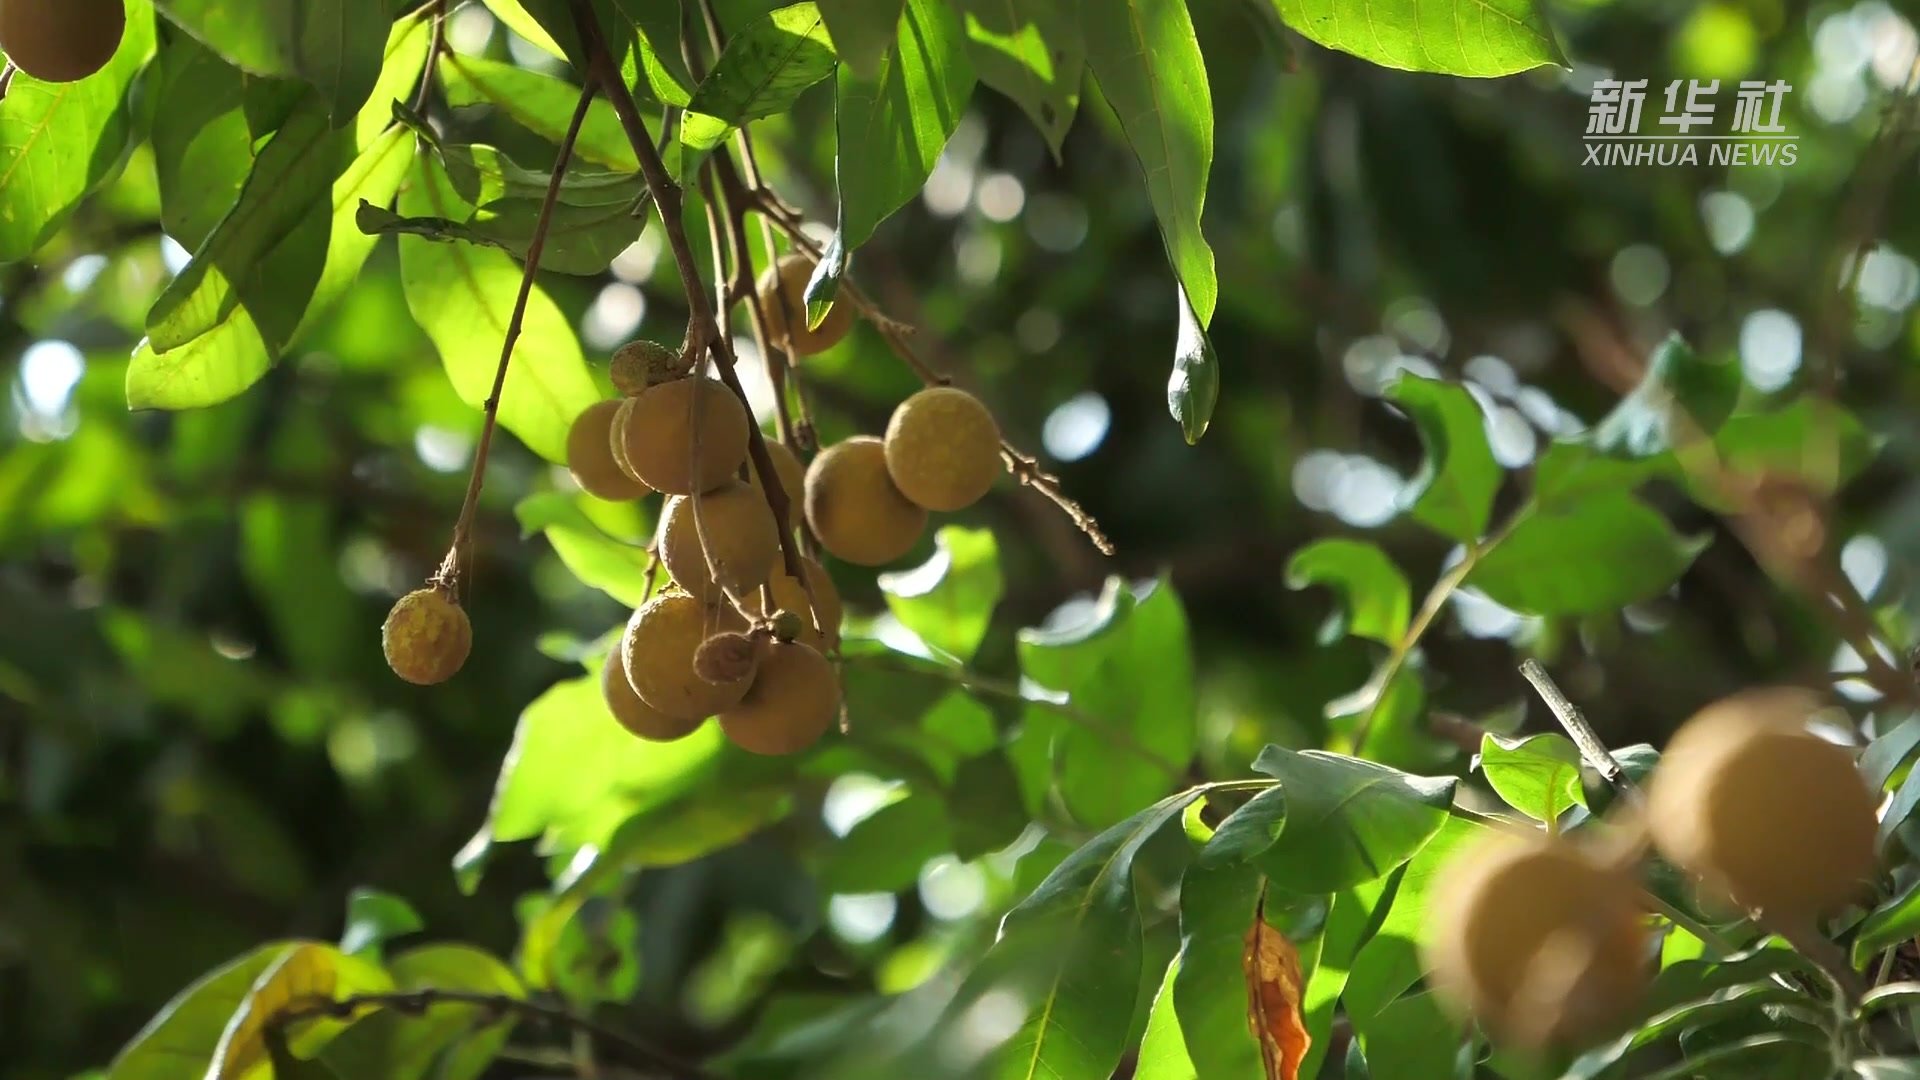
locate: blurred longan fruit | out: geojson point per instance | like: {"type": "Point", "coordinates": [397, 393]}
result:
{"type": "Point", "coordinates": [658, 649]}
{"type": "Point", "coordinates": [62, 41]}
{"type": "Point", "coordinates": [742, 541]}
{"type": "Point", "coordinates": [853, 507]}
{"type": "Point", "coordinates": [658, 435]}
{"type": "Point", "coordinates": [426, 636]}
{"type": "Point", "coordinates": [590, 455]}
{"type": "Point", "coordinates": [635, 714]}
{"type": "Point", "coordinates": [783, 296]}
{"type": "Point", "coordinates": [726, 657]}
{"type": "Point", "coordinates": [943, 448]}
{"type": "Point", "coordinates": [795, 697]}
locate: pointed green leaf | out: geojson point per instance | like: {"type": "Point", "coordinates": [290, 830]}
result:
{"type": "Point", "coordinates": [1031, 51]}
{"type": "Point", "coordinates": [862, 31]}
{"type": "Point", "coordinates": [1453, 491]}
{"type": "Point", "coordinates": [1884, 756]}
{"type": "Point", "coordinates": [949, 600]}
{"type": "Point", "coordinates": [604, 554]}
{"type": "Point", "coordinates": [540, 103]}
{"type": "Point", "coordinates": [1452, 37]}
{"type": "Point", "coordinates": [1598, 554]}
{"type": "Point", "coordinates": [1194, 386]}
{"type": "Point", "coordinates": [1217, 907]}
{"type": "Point", "coordinates": [181, 1037]}
{"type": "Point", "coordinates": [1163, 1049]}
{"type": "Point", "coordinates": [374, 918]}
{"type": "Point", "coordinates": [301, 974]}
{"type": "Point", "coordinates": [1389, 961]}
{"type": "Point", "coordinates": [763, 71]}
{"type": "Point", "coordinates": [1375, 599]}
{"type": "Point", "coordinates": [824, 283]}
{"type": "Point", "coordinates": [1538, 775]}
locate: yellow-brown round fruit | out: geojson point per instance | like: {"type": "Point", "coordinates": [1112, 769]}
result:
{"type": "Point", "coordinates": [794, 700]}
{"type": "Point", "coordinates": [726, 657]}
{"type": "Point", "coordinates": [853, 507]}
{"type": "Point", "coordinates": [426, 636]}
{"type": "Point", "coordinates": [658, 433]}
{"type": "Point", "coordinates": [658, 650]}
{"type": "Point", "coordinates": [943, 448]}
{"type": "Point", "coordinates": [639, 364]}
{"type": "Point", "coordinates": [788, 596]}
{"type": "Point", "coordinates": [741, 541]}
{"type": "Point", "coordinates": [1536, 940]}
{"type": "Point", "coordinates": [617, 441]}
{"type": "Point", "coordinates": [1768, 815]}
{"type": "Point", "coordinates": [61, 40]}
{"type": "Point", "coordinates": [792, 474]}
{"type": "Point", "coordinates": [590, 455]}
{"type": "Point", "coordinates": [636, 715]}
{"type": "Point", "coordinates": [786, 308]}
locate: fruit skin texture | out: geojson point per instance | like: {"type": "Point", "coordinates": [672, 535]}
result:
{"type": "Point", "coordinates": [787, 596]}
{"type": "Point", "coordinates": [726, 657]}
{"type": "Point", "coordinates": [658, 650]}
{"type": "Point", "coordinates": [943, 448]}
{"type": "Point", "coordinates": [741, 534]}
{"type": "Point", "coordinates": [853, 507]}
{"type": "Point", "coordinates": [792, 474]}
{"type": "Point", "coordinates": [61, 40]}
{"type": "Point", "coordinates": [634, 714]}
{"type": "Point", "coordinates": [426, 637]}
{"type": "Point", "coordinates": [640, 364]}
{"type": "Point", "coordinates": [658, 434]}
{"type": "Point", "coordinates": [1769, 815]}
{"type": "Point", "coordinates": [590, 455]}
{"type": "Point", "coordinates": [1537, 941]}
{"type": "Point", "coordinates": [794, 700]}
{"type": "Point", "coordinates": [786, 308]}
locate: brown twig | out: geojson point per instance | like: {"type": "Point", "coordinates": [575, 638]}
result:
{"type": "Point", "coordinates": [436, 44]}
{"type": "Point", "coordinates": [6, 78]}
{"type": "Point", "coordinates": [449, 575]}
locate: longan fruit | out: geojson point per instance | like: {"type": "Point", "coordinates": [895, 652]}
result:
{"type": "Point", "coordinates": [426, 636]}
{"type": "Point", "coordinates": [617, 442]}
{"type": "Point", "coordinates": [792, 474]}
{"type": "Point", "coordinates": [634, 714]}
{"type": "Point", "coordinates": [853, 507]}
{"type": "Point", "coordinates": [658, 434]}
{"type": "Point", "coordinates": [640, 364]}
{"type": "Point", "coordinates": [1537, 940]}
{"type": "Point", "coordinates": [61, 41]}
{"type": "Point", "coordinates": [794, 699]}
{"type": "Point", "coordinates": [943, 448]}
{"type": "Point", "coordinates": [786, 308]}
{"type": "Point", "coordinates": [726, 657]}
{"type": "Point", "coordinates": [658, 649]}
{"type": "Point", "coordinates": [1768, 815]}
{"type": "Point", "coordinates": [788, 596]}
{"type": "Point", "coordinates": [741, 539]}
{"type": "Point", "coordinates": [590, 455]}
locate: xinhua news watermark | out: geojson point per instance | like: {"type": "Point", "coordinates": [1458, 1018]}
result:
{"type": "Point", "coordinates": [1754, 136]}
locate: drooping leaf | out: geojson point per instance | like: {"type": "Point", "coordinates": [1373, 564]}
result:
{"type": "Point", "coordinates": [824, 283]}
{"type": "Point", "coordinates": [1350, 922]}
{"type": "Point", "coordinates": [1193, 388]}
{"type": "Point", "coordinates": [1538, 775]}
{"type": "Point", "coordinates": [333, 44]}
{"type": "Point", "coordinates": [540, 103]}
{"type": "Point", "coordinates": [884, 851]}
{"type": "Point", "coordinates": [1163, 1049]}
{"type": "Point", "coordinates": [863, 32]}
{"type": "Point", "coordinates": [642, 35]}
{"type": "Point", "coordinates": [375, 917]}
{"type": "Point", "coordinates": [182, 1036]}
{"type": "Point", "coordinates": [892, 125]}
{"type": "Point", "coordinates": [1375, 599]}
{"type": "Point", "coordinates": [763, 71]}
{"type": "Point", "coordinates": [1147, 61]}
{"type": "Point", "coordinates": [615, 566]}
{"type": "Point", "coordinates": [1453, 491]}
{"type": "Point", "coordinates": [302, 974]}
{"type": "Point", "coordinates": [463, 298]}
{"type": "Point", "coordinates": [716, 815]}
{"type": "Point", "coordinates": [949, 600]}
{"type": "Point", "coordinates": [1271, 966]}
{"type": "Point", "coordinates": [1453, 37]}
{"type": "Point", "coordinates": [1600, 553]}
{"type": "Point", "coordinates": [449, 1041]}
{"type": "Point", "coordinates": [202, 146]}
{"type": "Point", "coordinates": [1341, 820]}
{"type": "Point", "coordinates": [1031, 51]}
{"type": "Point", "coordinates": [1210, 993]}
{"type": "Point", "coordinates": [59, 140]}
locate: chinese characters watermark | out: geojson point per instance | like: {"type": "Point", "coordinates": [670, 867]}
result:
{"type": "Point", "coordinates": [1755, 135]}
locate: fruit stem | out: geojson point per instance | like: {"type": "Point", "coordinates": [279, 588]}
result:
{"type": "Point", "coordinates": [1577, 728]}
{"type": "Point", "coordinates": [537, 243]}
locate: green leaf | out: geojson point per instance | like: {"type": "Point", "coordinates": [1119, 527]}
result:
{"type": "Point", "coordinates": [1147, 61]}
{"type": "Point", "coordinates": [1350, 922]}
{"type": "Point", "coordinates": [202, 146]}
{"type": "Point", "coordinates": [892, 125]}
{"type": "Point", "coordinates": [885, 850]}
{"type": "Point", "coordinates": [1597, 554]}
{"type": "Point", "coordinates": [1884, 756]}
{"type": "Point", "coordinates": [630, 28]}
{"type": "Point", "coordinates": [1900, 810]}
{"type": "Point", "coordinates": [521, 21]}
{"type": "Point", "coordinates": [1163, 1049]}
{"type": "Point", "coordinates": [763, 71]}
{"type": "Point", "coordinates": [1453, 492]}
{"type": "Point", "coordinates": [606, 562]}
{"type": "Point", "coordinates": [540, 103]}
{"type": "Point", "coordinates": [718, 814]}
{"type": "Point", "coordinates": [1744, 1001]}
{"type": "Point", "coordinates": [1375, 600]}
{"type": "Point", "coordinates": [182, 1036]}
{"type": "Point", "coordinates": [333, 44]}
{"type": "Point", "coordinates": [1217, 908]}
{"type": "Point", "coordinates": [1453, 37]}
{"type": "Point", "coordinates": [1339, 822]}
{"type": "Point", "coordinates": [1810, 439]}
{"type": "Point", "coordinates": [824, 283]}
{"type": "Point", "coordinates": [1891, 923]}
{"type": "Point", "coordinates": [1193, 389]}
{"type": "Point", "coordinates": [1388, 962]}
{"type": "Point", "coordinates": [463, 298]}
{"type": "Point", "coordinates": [58, 141]}
{"type": "Point", "coordinates": [1572, 469]}
{"type": "Point", "coordinates": [1031, 51]}
{"type": "Point", "coordinates": [447, 1042]}
{"type": "Point", "coordinates": [1412, 1036]}
{"type": "Point", "coordinates": [862, 32]}
{"type": "Point", "coordinates": [1127, 674]}
{"type": "Point", "coordinates": [949, 600]}
{"type": "Point", "coordinates": [377, 221]}
{"type": "Point", "coordinates": [303, 973]}
{"type": "Point", "coordinates": [1681, 396]}
{"type": "Point", "coordinates": [373, 919]}
{"type": "Point", "coordinates": [1889, 995]}
{"type": "Point", "coordinates": [1538, 775]}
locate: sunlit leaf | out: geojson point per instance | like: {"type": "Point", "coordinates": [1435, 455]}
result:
{"type": "Point", "coordinates": [1031, 51]}
{"type": "Point", "coordinates": [449, 1041]}
{"type": "Point", "coordinates": [1375, 599]}
{"type": "Point", "coordinates": [763, 71]}
{"type": "Point", "coordinates": [374, 917]}
{"type": "Point", "coordinates": [1210, 993]}
{"type": "Point", "coordinates": [1538, 775]}
{"type": "Point", "coordinates": [1453, 491]}
{"type": "Point", "coordinates": [1453, 37]}
{"type": "Point", "coordinates": [884, 851]}
{"type": "Point", "coordinates": [1193, 389]}
{"type": "Point", "coordinates": [333, 44]}
{"type": "Point", "coordinates": [1163, 1049]}
{"type": "Point", "coordinates": [949, 601]}
{"type": "Point", "coordinates": [202, 146]}
{"type": "Point", "coordinates": [540, 103]}
{"type": "Point", "coordinates": [615, 566]}
{"type": "Point", "coordinates": [1599, 553]}
{"type": "Point", "coordinates": [302, 974]}
{"type": "Point", "coordinates": [181, 1038]}
{"type": "Point", "coordinates": [862, 31]}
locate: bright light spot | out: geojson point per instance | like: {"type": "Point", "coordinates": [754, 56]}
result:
{"type": "Point", "coordinates": [441, 450]}
{"type": "Point", "coordinates": [1770, 348]}
{"type": "Point", "coordinates": [1538, 406]}
{"type": "Point", "coordinates": [1074, 613]}
{"type": "Point", "coordinates": [1000, 197]}
{"type": "Point", "coordinates": [1494, 374]}
{"type": "Point", "coordinates": [854, 797]}
{"type": "Point", "coordinates": [976, 256]}
{"type": "Point", "coordinates": [635, 263]}
{"type": "Point", "coordinates": [1511, 437]}
{"type": "Point", "coordinates": [1482, 617]}
{"type": "Point", "coordinates": [1837, 96]}
{"type": "Point", "coordinates": [1847, 661]}
{"type": "Point", "coordinates": [82, 271]}
{"type": "Point", "coordinates": [861, 917]}
{"type": "Point", "coordinates": [1640, 274]}
{"type": "Point", "coordinates": [755, 382]}
{"type": "Point", "coordinates": [888, 630]}
{"type": "Point", "coordinates": [1864, 559]}
{"type": "Point", "coordinates": [1037, 330]}
{"type": "Point", "coordinates": [1367, 494]}
{"type": "Point", "coordinates": [1728, 217]}
{"type": "Point", "coordinates": [528, 55]}
{"type": "Point", "coordinates": [949, 187]}
{"type": "Point", "coordinates": [951, 889]}
{"type": "Point", "coordinates": [613, 316]}
{"type": "Point", "coordinates": [1076, 427]}
{"type": "Point", "coordinates": [922, 579]}
{"type": "Point", "coordinates": [1895, 44]}
{"type": "Point", "coordinates": [367, 567]}
{"type": "Point", "coordinates": [1314, 474]}
{"type": "Point", "coordinates": [985, 1025]}
{"type": "Point", "coordinates": [1888, 280]}
{"type": "Point", "coordinates": [1418, 323]}
{"type": "Point", "coordinates": [1288, 232]}
{"type": "Point", "coordinates": [1057, 223]}
{"type": "Point", "coordinates": [469, 28]}
{"type": "Point", "coordinates": [1366, 361]}
{"type": "Point", "coordinates": [173, 255]}
{"type": "Point", "coordinates": [49, 370]}
{"type": "Point", "coordinates": [1838, 45]}
{"type": "Point", "coordinates": [231, 647]}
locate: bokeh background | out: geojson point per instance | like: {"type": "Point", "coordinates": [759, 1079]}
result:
{"type": "Point", "coordinates": [201, 748]}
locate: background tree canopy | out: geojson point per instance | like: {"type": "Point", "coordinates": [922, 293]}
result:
{"type": "Point", "coordinates": [1313, 309]}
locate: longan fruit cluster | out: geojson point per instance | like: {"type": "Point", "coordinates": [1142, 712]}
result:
{"type": "Point", "coordinates": [61, 42]}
